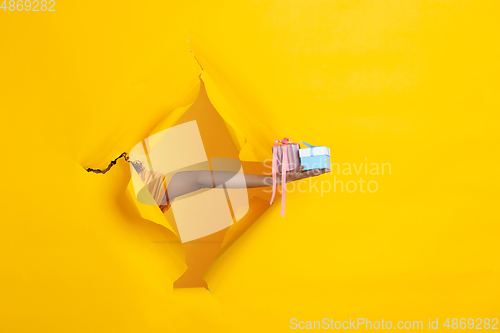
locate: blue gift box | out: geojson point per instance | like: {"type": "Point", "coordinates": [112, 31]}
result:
{"type": "Point", "coordinates": [314, 157]}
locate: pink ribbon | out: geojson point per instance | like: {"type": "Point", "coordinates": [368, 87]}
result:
{"type": "Point", "coordinates": [284, 168]}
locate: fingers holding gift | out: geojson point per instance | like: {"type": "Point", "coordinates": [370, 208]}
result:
{"type": "Point", "coordinates": [297, 173]}
{"type": "Point", "coordinates": [298, 169]}
{"type": "Point", "coordinates": [315, 172]}
{"type": "Point", "coordinates": [293, 172]}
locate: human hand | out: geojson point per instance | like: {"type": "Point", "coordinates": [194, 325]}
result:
{"type": "Point", "coordinates": [298, 174]}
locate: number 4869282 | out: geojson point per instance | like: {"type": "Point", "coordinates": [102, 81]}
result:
{"type": "Point", "coordinates": [470, 323]}
{"type": "Point", "coordinates": [27, 5]}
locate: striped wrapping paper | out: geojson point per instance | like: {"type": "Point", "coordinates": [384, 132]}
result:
{"type": "Point", "coordinates": [293, 156]}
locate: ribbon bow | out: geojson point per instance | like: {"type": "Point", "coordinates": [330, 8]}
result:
{"type": "Point", "coordinates": [284, 167]}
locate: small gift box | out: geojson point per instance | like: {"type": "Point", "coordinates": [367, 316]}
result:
{"type": "Point", "coordinates": [314, 157]}
{"type": "Point", "coordinates": [292, 154]}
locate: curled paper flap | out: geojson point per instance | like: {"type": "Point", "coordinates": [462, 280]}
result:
{"type": "Point", "coordinates": [206, 221]}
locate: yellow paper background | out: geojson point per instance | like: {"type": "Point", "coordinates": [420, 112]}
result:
{"type": "Point", "coordinates": [410, 83]}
